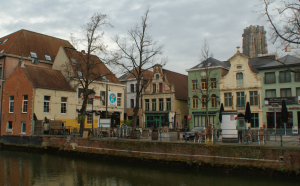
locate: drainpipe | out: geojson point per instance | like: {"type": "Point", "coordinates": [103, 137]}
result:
{"type": "Point", "coordinates": [1, 94]}
{"type": "Point", "coordinates": [32, 128]}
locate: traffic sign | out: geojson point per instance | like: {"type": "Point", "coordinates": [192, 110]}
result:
{"type": "Point", "coordinates": [189, 116]}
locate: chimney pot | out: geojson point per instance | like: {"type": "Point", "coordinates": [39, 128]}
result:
{"type": "Point", "coordinates": [83, 51]}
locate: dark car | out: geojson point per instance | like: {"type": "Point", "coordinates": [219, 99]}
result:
{"type": "Point", "coordinates": [191, 134]}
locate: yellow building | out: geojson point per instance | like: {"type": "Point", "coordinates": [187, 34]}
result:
{"type": "Point", "coordinates": [102, 81]}
{"type": "Point", "coordinates": [165, 99]}
{"type": "Point", "coordinates": [241, 85]}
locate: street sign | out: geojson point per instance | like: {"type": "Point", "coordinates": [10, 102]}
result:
{"type": "Point", "coordinates": [189, 116]}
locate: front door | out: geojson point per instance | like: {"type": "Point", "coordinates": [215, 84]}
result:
{"type": "Point", "coordinates": [241, 123]}
{"type": "Point", "coordinates": [157, 121]}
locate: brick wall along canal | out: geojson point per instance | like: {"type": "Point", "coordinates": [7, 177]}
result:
{"type": "Point", "coordinates": [23, 168]}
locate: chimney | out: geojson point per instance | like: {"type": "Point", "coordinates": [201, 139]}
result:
{"type": "Point", "coordinates": [83, 51]}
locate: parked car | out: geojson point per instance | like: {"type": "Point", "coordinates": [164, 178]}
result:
{"type": "Point", "coordinates": [191, 134]}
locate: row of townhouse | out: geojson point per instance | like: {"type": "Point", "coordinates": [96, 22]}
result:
{"type": "Point", "coordinates": [163, 102]}
{"type": "Point", "coordinates": [37, 84]}
{"type": "Point", "coordinates": [262, 81]}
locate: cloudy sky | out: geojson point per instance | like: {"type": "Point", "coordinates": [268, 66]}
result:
{"type": "Point", "coordinates": [181, 25]}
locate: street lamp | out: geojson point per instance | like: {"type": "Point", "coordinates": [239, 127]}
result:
{"type": "Point", "coordinates": [92, 94]}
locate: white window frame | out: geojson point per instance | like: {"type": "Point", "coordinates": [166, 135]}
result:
{"type": "Point", "coordinates": [33, 55]}
{"type": "Point", "coordinates": [11, 104]}
{"type": "Point", "coordinates": [48, 104]}
{"type": "Point", "coordinates": [25, 104]}
{"type": "Point", "coordinates": [48, 57]}
{"type": "Point", "coordinates": [63, 104]}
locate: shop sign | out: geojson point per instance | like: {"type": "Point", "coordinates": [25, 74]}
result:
{"type": "Point", "coordinates": [210, 112]}
{"type": "Point", "coordinates": [295, 130]}
{"type": "Point", "coordinates": [112, 99]}
{"type": "Point", "coordinates": [290, 108]}
{"type": "Point", "coordinates": [278, 100]}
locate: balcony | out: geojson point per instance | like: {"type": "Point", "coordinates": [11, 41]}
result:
{"type": "Point", "coordinates": [240, 107]}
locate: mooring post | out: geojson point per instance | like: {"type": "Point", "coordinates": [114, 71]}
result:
{"type": "Point", "coordinates": [117, 131]}
{"type": "Point", "coordinates": [281, 140]}
{"type": "Point", "coordinates": [138, 134]}
{"type": "Point", "coordinates": [185, 134]}
{"type": "Point", "coordinates": [160, 134]}
{"type": "Point", "coordinates": [101, 135]}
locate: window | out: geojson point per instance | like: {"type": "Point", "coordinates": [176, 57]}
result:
{"type": "Point", "coordinates": [253, 98]}
{"type": "Point", "coordinates": [161, 104]}
{"type": "Point", "coordinates": [270, 93]}
{"type": "Point", "coordinates": [255, 120]}
{"type": "Point", "coordinates": [195, 102]}
{"type": "Point", "coordinates": [160, 87]}
{"type": "Point", "coordinates": [270, 77]}
{"type": "Point", "coordinates": [48, 57]}
{"type": "Point", "coordinates": [297, 75]}
{"type": "Point", "coordinates": [79, 73]}
{"type": "Point", "coordinates": [0, 72]}
{"type": "Point", "coordinates": [298, 91]}
{"type": "Point", "coordinates": [154, 88]}
{"type": "Point", "coordinates": [11, 104]}
{"type": "Point", "coordinates": [239, 80]}
{"type": "Point", "coordinates": [240, 96]}
{"type": "Point", "coordinates": [131, 87]}
{"type": "Point", "coordinates": [5, 40]}
{"type": "Point", "coordinates": [203, 84]}
{"type": "Point", "coordinates": [89, 118]}
{"type": "Point", "coordinates": [213, 101]}
{"type": "Point", "coordinates": [9, 125]}
{"type": "Point", "coordinates": [33, 55]}
{"type": "Point", "coordinates": [89, 101]}
{"type": "Point", "coordinates": [102, 94]}
{"type": "Point", "coordinates": [239, 67]}
{"type": "Point", "coordinates": [153, 104]}
{"type": "Point", "coordinates": [63, 104]}
{"type": "Point", "coordinates": [157, 76]}
{"type": "Point", "coordinates": [194, 84]}
{"type": "Point", "coordinates": [204, 99]}
{"type": "Point", "coordinates": [78, 122]}
{"type": "Point", "coordinates": [25, 103]}
{"type": "Point", "coordinates": [284, 76]}
{"type": "Point", "coordinates": [46, 104]}
{"type": "Point", "coordinates": [131, 103]}
{"type": "Point", "coordinates": [74, 62]}
{"type": "Point", "coordinates": [228, 99]}
{"type": "Point", "coordinates": [213, 83]}
{"type": "Point", "coordinates": [2, 51]}
{"type": "Point", "coordinates": [285, 92]}
{"type": "Point", "coordinates": [146, 104]}
{"type": "Point", "coordinates": [23, 130]}
{"type": "Point", "coordinates": [119, 99]}
{"type": "Point", "coordinates": [168, 104]}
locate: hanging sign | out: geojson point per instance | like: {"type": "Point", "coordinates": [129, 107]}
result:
{"type": "Point", "coordinates": [112, 99]}
{"type": "Point", "coordinates": [189, 116]}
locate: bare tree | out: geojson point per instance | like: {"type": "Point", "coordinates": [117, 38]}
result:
{"type": "Point", "coordinates": [204, 81]}
{"type": "Point", "coordinates": [284, 20]}
{"type": "Point", "coordinates": [137, 53]}
{"type": "Point", "coordinates": [87, 64]}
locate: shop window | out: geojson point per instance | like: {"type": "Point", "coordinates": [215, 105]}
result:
{"type": "Point", "coordinates": [285, 92]}
{"type": "Point", "coordinates": [194, 84]}
{"type": "Point", "coordinates": [255, 120]}
{"type": "Point", "coordinates": [270, 93]}
{"type": "Point", "coordinates": [199, 121]}
{"type": "Point", "coordinates": [228, 99]}
{"type": "Point", "coordinates": [284, 76]}
{"type": "Point", "coordinates": [270, 77]}
{"type": "Point", "coordinates": [253, 98]}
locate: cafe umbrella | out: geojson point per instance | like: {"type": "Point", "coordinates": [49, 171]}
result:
{"type": "Point", "coordinates": [284, 114]}
{"type": "Point", "coordinates": [248, 113]}
{"type": "Point", "coordinates": [220, 113]}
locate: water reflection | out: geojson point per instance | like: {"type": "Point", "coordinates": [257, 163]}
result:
{"type": "Point", "coordinates": [22, 168]}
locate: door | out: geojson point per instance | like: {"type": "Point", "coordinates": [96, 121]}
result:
{"type": "Point", "coordinates": [157, 121]}
{"type": "Point", "coordinates": [241, 123]}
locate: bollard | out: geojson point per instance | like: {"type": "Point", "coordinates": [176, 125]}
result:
{"type": "Point", "coordinates": [214, 140]}
{"type": "Point", "coordinates": [117, 132]}
{"type": "Point", "coordinates": [101, 134]}
{"type": "Point", "coordinates": [160, 134]}
{"type": "Point", "coordinates": [185, 134]}
{"type": "Point", "coordinates": [281, 140]}
{"type": "Point", "coordinates": [138, 134]}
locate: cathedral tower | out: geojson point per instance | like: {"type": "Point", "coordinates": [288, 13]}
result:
{"type": "Point", "coordinates": [254, 41]}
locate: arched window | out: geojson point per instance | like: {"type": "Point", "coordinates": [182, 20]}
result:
{"type": "Point", "coordinates": [213, 101]}
{"type": "Point", "coordinates": [195, 102]}
{"type": "Point", "coordinates": [239, 80]}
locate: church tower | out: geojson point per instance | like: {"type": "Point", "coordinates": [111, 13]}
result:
{"type": "Point", "coordinates": [254, 41]}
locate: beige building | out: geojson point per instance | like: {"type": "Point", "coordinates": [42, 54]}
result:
{"type": "Point", "coordinates": [241, 85]}
{"type": "Point", "coordinates": [67, 61]}
{"type": "Point", "coordinates": [165, 99]}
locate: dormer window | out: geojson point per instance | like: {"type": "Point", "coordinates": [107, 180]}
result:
{"type": "Point", "coordinates": [74, 62]}
{"type": "Point", "coordinates": [157, 76]}
{"type": "Point", "coordinates": [33, 55]}
{"type": "Point", "coordinates": [239, 67]}
{"type": "Point", "coordinates": [79, 73]}
{"type": "Point", "coordinates": [48, 57]}
{"type": "Point", "coordinates": [104, 77]}
{"type": "Point", "coordinates": [2, 51]}
{"type": "Point", "coordinates": [199, 66]}
{"type": "Point", "coordinates": [208, 64]}
{"type": "Point", "coordinates": [5, 40]}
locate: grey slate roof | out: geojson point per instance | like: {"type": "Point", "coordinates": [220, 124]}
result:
{"type": "Point", "coordinates": [213, 63]}
{"type": "Point", "coordinates": [285, 61]}
{"type": "Point", "coordinates": [258, 62]}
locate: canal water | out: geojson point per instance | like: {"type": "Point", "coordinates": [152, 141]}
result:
{"type": "Point", "coordinates": [22, 169]}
